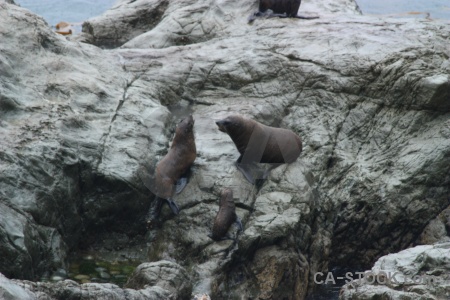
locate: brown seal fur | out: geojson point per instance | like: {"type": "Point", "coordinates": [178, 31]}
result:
{"type": "Point", "coordinates": [259, 143]}
{"type": "Point", "coordinates": [226, 215]}
{"type": "Point", "coordinates": [279, 8]}
{"type": "Point", "coordinates": [177, 161]}
{"type": "Point", "coordinates": [290, 7]}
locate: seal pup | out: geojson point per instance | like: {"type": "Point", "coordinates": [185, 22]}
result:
{"type": "Point", "coordinates": [278, 8]}
{"type": "Point", "coordinates": [258, 143]}
{"type": "Point", "coordinates": [172, 171]}
{"type": "Point", "coordinates": [225, 217]}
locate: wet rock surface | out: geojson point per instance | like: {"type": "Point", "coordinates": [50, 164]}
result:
{"type": "Point", "coordinates": [370, 98]}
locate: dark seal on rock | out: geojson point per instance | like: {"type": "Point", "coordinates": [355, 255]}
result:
{"type": "Point", "coordinates": [258, 143]}
{"type": "Point", "coordinates": [226, 216]}
{"type": "Point", "coordinates": [278, 8]}
{"type": "Point", "coordinates": [172, 171]}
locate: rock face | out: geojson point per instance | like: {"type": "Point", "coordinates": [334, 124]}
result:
{"type": "Point", "coordinates": [161, 280]}
{"type": "Point", "coordinates": [160, 24]}
{"type": "Point", "coordinates": [422, 272]}
{"type": "Point", "coordinates": [165, 274]}
{"type": "Point", "coordinates": [370, 98]}
{"type": "Point", "coordinates": [60, 103]}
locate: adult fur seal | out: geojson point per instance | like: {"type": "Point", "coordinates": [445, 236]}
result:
{"type": "Point", "coordinates": [258, 143]}
{"type": "Point", "coordinates": [172, 171]}
{"type": "Point", "coordinates": [278, 8]}
{"type": "Point", "coordinates": [226, 216]}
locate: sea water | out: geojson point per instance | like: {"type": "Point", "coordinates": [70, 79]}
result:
{"type": "Point", "coordinates": [77, 11]}
{"type": "Point", "coordinates": [437, 9]}
{"type": "Point", "coordinates": [70, 11]}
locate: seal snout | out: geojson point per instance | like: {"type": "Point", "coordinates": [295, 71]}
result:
{"type": "Point", "coordinates": [221, 124]}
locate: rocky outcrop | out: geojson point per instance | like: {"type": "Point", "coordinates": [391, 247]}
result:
{"type": "Point", "coordinates": [422, 272]}
{"type": "Point", "coordinates": [370, 98]}
{"type": "Point", "coordinates": [124, 21]}
{"type": "Point", "coordinates": [165, 274]}
{"type": "Point", "coordinates": [438, 230]}
{"type": "Point", "coordinates": [159, 24]}
{"type": "Point", "coordinates": [60, 103]}
{"type": "Point", "coordinates": [159, 280]}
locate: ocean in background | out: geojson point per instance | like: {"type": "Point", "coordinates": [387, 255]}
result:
{"type": "Point", "coordinates": [438, 9]}
{"type": "Point", "coordinates": [77, 11]}
{"type": "Point", "coordinates": [71, 11]}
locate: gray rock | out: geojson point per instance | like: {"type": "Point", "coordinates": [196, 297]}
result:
{"type": "Point", "coordinates": [438, 230]}
{"type": "Point", "coordinates": [104, 275]}
{"type": "Point", "coordinates": [159, 280]}
{"type": "Point", "coordinates": [70, 290]}
{"type": "Point", "coordinates": [125, 20]}
{"type": "Point", "coordinates": [28, 249]}
{"type": "Point", "coordinates": [59, 170]}
{"type": "Point", "coordinates": [11, 291]}
{"type": "Point", "coordinates": [161, 24]}
{"type": "Point", "coordinates": [368, 95]}
{"type": "Point", "coordinates": [422, 272]}
{"type": "Point", "coordinates": [164, 274]}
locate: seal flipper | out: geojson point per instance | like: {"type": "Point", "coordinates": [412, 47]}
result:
{"type": "Point", "coordinates": [154, 211]}
{"type": "Point", "coordinates": [274, 15]}
{"type": "Point", "coordinates": [253, 17]}
{"type": "Point", "coordinates": [180, 184]}
{"type": "Point", "coordinates": [182, 181]}
{"type": "Point", "coordinates": [173, 206]}
{"type": "Point", "coordinates": [245, 170]}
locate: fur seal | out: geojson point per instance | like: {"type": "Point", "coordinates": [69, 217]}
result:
{"type": "Point", "coordinates": [278, 8]}
{"type": "Point", "coordinates": [172, 171]}
{"type": "Point", "coordinates": [226, 216]}
{"type": "Point", "coordinates": [258, 143]}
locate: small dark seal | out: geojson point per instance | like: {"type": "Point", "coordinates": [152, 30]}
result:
{"type": "Point", "coordinates": [278, 8]}
{"type": "Point", "coordinates": [258, 143]}
{"type": "Point", "coordinates": [172, 171]}
{"type": "Point", "coordinates": [225, 217]}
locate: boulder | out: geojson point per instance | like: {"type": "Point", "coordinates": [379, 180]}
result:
{"type": "Point", "coordinates": [421, 273]}
{"type": "Point", "coordinates": [165, 274]}
{"type": "Point", "coordinates": [370, 97]}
